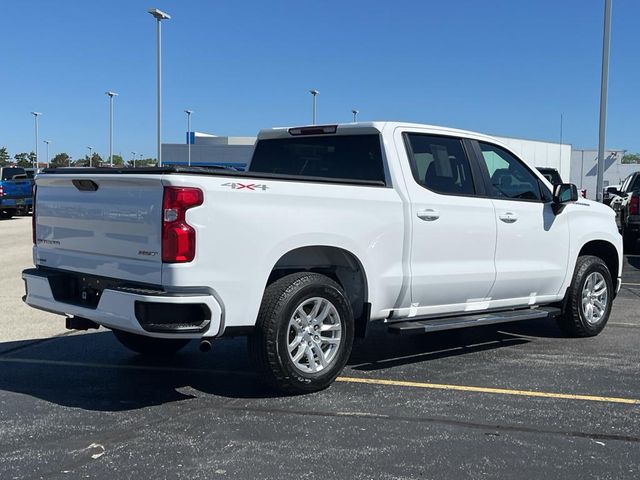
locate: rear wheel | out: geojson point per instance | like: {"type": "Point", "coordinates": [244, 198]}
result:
{"type": "Point", "coordinates": [153, 347]}
{"type": "Point", "coordinates": [304, 333]}
{"type": "Point", "coordinates": [588, 302]}
{"type": "Point", "coordinates": [6, 214]}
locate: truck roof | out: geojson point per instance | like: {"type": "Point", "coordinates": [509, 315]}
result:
{"type": "Point", "coordinates": [361, 128]}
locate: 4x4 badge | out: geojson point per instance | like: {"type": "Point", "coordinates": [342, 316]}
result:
{"type": "Point", "coordinates": [248, 186]}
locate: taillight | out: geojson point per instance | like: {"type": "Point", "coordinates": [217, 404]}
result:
{"type": "Point", "coordinates": [178, 237]}
{"type": "Point", "coordinates": [1, 190]}
{"type": "Point", "coordinates": [633, 205]}
{"type": "Point", "coordinates": [33, 215]}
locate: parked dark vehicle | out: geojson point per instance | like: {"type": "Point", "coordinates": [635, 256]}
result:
{"type": "Point", "coordinates": [628, 211]}
{"type": "Point", "coordinates": [16, 192]}
{"type": "Point", "coordinates": [550, 174]}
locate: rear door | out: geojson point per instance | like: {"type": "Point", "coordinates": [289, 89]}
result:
{"type": "Point", "coordinates": [453, 230]}
{"type": "Point", "coordinates": [532, 248]}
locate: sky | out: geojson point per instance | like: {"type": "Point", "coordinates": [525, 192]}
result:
{"type": "Point", "coordinates": [503, 67]}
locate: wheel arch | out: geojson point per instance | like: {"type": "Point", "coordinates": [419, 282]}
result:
{"type": "Point", "coordinates": [607, 252]}
{"type": "Point", "coordinates": [338, 264]}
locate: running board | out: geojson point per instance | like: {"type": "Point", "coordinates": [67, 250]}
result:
{"type": "Point", "coordinates": [421, 325]}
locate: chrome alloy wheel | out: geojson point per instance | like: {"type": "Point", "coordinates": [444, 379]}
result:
{"type": "Point", "coordinates": [594, 297]}
{"type": "Point", "coordinates": [314, 335]}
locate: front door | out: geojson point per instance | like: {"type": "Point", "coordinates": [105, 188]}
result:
{"type": "Point", "coordinates": [532, 247]}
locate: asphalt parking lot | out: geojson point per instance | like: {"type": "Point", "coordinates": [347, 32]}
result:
{"type": "Point", "coordinates": [516, 401]}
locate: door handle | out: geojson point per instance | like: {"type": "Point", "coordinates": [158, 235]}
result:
{"type": "Point", "coordinates": [428, 214]}
{"type": "Point", "coordinates": [509, 217]}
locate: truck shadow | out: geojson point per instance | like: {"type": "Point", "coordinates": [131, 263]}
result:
{"type": "Point", "coordinates": [381, 350]}
{"type": "Point", "coordinates": [94, 372]}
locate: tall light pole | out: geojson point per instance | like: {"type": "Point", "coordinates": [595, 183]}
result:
{"type": "Point", "coordinates": [314, 93]}
{"type": "Point", "coordinates": [134, 159]}
{"type": "Point", "coordinates": [90, 155]}
{"type": "Point", "coordinates": [189, 112]}
{"type": "Point", "coordinates": [603, 98]}
{"type": "Point", "coordinates": [355, 115]}
{"type": "Point", "coordinates": [111, 95]}
{"type": "Point", "coordinates": [47, 142]}
{"type": "Point", "coordinates": [36, 115]}
{"type": "Point", "coordinates": [159, 16]}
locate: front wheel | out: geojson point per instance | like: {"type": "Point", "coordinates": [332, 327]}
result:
{"type": "Point", "coordinates": [304, 333]}
{"type": "Point", "coordinates": [588, 302]}
{"type": "Point", "coordinates": [6, 214]}
{"type": "Point", "coordinates": [149, 346]}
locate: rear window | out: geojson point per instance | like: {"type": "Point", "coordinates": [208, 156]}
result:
{"type": "Point", "coordinates": [351, 157]}
{"type": "Point", "coordinates": [10, 173]}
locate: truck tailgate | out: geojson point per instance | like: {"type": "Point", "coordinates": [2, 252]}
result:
{"type": "Point", "coordinates": [105, 225]}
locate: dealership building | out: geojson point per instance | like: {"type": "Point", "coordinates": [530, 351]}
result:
{"type": "Point", "coordinates": [574, 165]}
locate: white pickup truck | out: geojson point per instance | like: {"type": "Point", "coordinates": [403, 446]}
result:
{"type": "Point", "coordinates": [331, 227]}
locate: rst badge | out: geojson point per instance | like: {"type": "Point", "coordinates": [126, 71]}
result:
{"type": "Point", "coordinates": [245, 186]}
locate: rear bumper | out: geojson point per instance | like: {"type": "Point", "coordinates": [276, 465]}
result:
{"type": "Point", "coordinates": [15, 202]}
{"type": "Point", "coordinates": [130, 311]}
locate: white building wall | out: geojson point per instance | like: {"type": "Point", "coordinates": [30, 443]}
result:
{"type": "Point", "coordinates": [584, 169]}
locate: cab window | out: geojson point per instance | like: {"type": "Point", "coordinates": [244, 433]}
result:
{"type": "Point", "coordinates": [510, 178]}
{"type": "Point", "coordinates": [440, 164]}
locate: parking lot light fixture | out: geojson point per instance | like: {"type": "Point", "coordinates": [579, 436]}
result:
{"type": "Point", "coordinates": [314, 93]}
{"type": "Point", "coordinates": [111, 94]}
{"type": "Point", "coordinates": [133, 155]}
{"type": "Point", "coordinates": [355, 115]}
{"type": "Point", "coordinates": [159, 15]}
{"type": "Point", "coordinates": [90, 154]}
{"type": "Point", "coordinates": [36, 115]}
{"type": "Point", "coordinates": [47, 142]}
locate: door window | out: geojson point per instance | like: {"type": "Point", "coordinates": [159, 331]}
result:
{"type": "Point", "coordinates": [440, 164]}
{"type": "Point", "coordinates": [510, 179]}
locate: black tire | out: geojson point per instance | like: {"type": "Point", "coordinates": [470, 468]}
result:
{"type": "Point", "coordinates": [152, 347]}
{"type": "Point", "coordinates": [268, 344]}
{"type": "Point", "coordinates": [572, 321]}
{"type": "Point", "coordinates": [6, 214]}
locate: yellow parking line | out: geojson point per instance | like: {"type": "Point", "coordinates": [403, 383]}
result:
{"type": "Point", "coordinates": [500, 391]}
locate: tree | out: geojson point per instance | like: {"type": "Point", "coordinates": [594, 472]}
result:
{"type": "Point", "coordinates": [60, 160]}
{"type": "Point", "coordinates": [4, 157]}
{"type": "Point", "coordinates": [118, 161]}
{"type": "Point", "coordinates": [24, 159]}
{"type": "Point", "coordinates": [96, 159]}
{"type": "Point", "coordinates": [631, 158]}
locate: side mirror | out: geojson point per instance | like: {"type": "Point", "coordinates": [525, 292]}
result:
{"type": "Point", "coordinates": [564, 193]}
